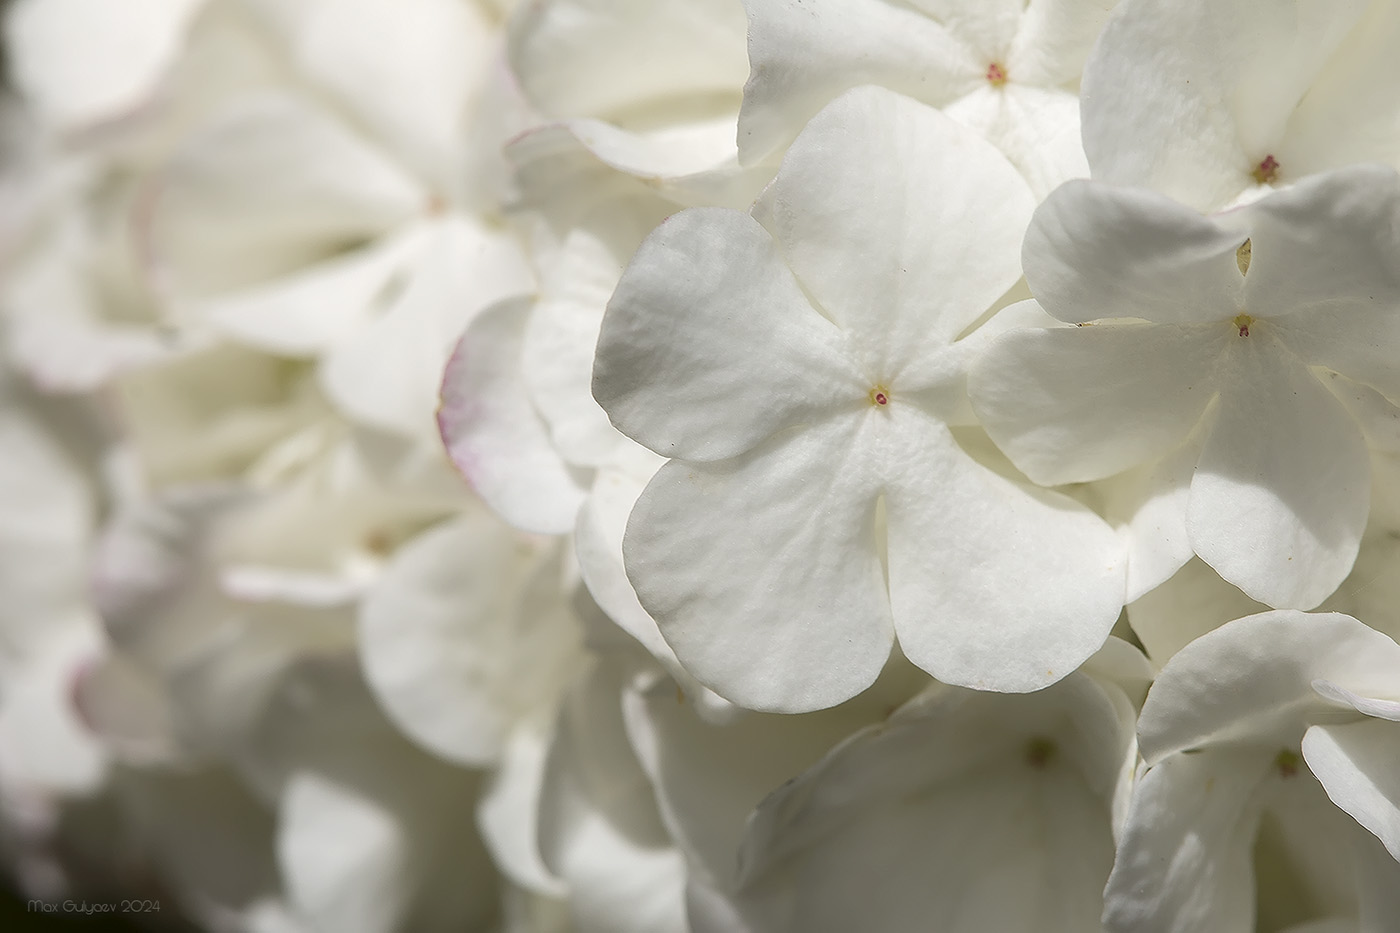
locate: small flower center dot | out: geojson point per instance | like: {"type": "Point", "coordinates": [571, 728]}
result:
{"type": "Point", "coordinates": [1242, 321]}
{"type": "Point", "coordinates": [1287, 763]}
{"type": "Point", "coordinates": [879, 396]}
{"type": "Point", "coordinates": [996, 75]}
{"type": "Point", "coordinates": [1040, 752]}
{"type": "Point", "coordinates": [1266, 171]}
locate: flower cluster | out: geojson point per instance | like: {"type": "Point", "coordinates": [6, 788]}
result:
{"type": "Point", "coordinates": [703, 466]}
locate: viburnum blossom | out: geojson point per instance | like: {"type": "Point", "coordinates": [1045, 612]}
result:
{"type": "Point", "coordinates": [1009, 70]}
{"type": "Point", "coordinates": [811, 434]}
{"type": "Point", "coordinates": [1245, 319]}
{"type": "Point", "coordinates": [1255, 94]}
{"type": "Point", "coordinates": [840, 513]}
{"type": "Point", "coordinates": [1238, 731]}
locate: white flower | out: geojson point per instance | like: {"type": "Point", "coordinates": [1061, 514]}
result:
{"type": "Point", "coordinates": [1214, 101]}
{"type": "Point", "coordinates": [962, 812]}
{"type": "Point", "coordinates": [1234, 730]}
{"type": "Point", "coordinates": [85, 62]}
{"type": "Point", "coordinates": [798, 423]}
{"type": "Point", "coordinates": [1244, 319]}
{"type": "Point", "coordinates": [469, 633]}
{"type": "Point", "coordinates": [1009, 70]}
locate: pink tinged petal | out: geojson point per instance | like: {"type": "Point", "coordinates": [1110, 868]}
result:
{"type": "Point", "coordinates": [1281, 493]}
{"type": "Point", "coordinates": [447, 643]}
{"type": "Point", "coordinates": [635, 52]}
{"type": "Point", "coordinates": [958, 535]}
{"type": "Point", "coordinates": [1251, 680]}
{"type": "Point", "coordinates": [493, 434]}
{"type": "Point", "coordinates": [899, 279]}
{"type": "Point", "coordinates": [1076, 404]}
{"type": "Point", "coordinates": [271, 186]}
{"type": "Point", "coordinates": [1096, 251]}
{"type": "Point", "coordinates": [1329, 242]}
{"type": "Point", "coordinates": [1358, 764]}
{"type": "Point", "coordinates": [387, 374]}
{"type": "Point", "coordinates": [1185, 856]}
{"type": "Point", "coordinates": [803, 56]}
{"type": "Point", "coordinates": [82, 62]}
{"type": "Point", "coordinates": [709, 345]}
{"type": "Point", "coordinates": [562, 333]}
{"type": "Point", "coordinates": [763, 571]}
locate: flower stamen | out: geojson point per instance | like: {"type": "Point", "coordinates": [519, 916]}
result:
{"type": "Point", "coordinates": [996, 75]}
{"type": "Point", "coordinates": [1242, 321]}
{"type": "Point", "coordinates": [1266, 172]}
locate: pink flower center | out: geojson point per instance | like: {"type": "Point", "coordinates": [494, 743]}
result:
{"type": "Point", "coordinates": [996, 75]}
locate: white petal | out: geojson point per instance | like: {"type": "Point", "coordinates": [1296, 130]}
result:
{"type": "Point", "coordinates": [763, 571]}
{"type": "Point", "coordinates": [272, 185]}
{"type": "Point", "coordinates": [387, 375]}
{"type": "Point", "coordinates": [1185, 858]}
{"type": "Point", "coordinates": [709, 345]}
{"type": "Point", "coordinates": [1252, 680]}
{"type": "Point", "coordinates": [632, 52]}
{"type": "Point", "coordinates": [303, 314]}
{"type": "Point", "coordinates": [709, 778]}
{"type": "Point", "coordinates": [494, 435]}
{"type": "Point", "coordinates": [1195, 123]}
{"type": "Point", "coordinates": [936, 819]}
{"type": "Point", "coordinates": [1356, 764]}
{"type": "Point", "coordinates": [1149, 505]}
{"type": "Point", "coordinates": [1280, 496]}
{"type": "Point", "coordinates": [899, 281]}
{"type": "Point", "coordinates": [1075, 404]}
{"type": "Point", "coordinates": [1194, 601]}
{"type": "Point", "coordinates": [599, 829]}
{"type": "Point", "coordinates": [86, 61]}
{"type": "Point", "coordinates": [453, 650]}
{"type": "Point", "coordinates": [1327, 242]}
{"type": "Point", "coordinates": [804, 58]}
{"type": "Point", "coordinates": [1097, 251]}
{"type": "Point", "coordinates": [408, 66]}
{"type": "Point", "coordinates": [958, 534]}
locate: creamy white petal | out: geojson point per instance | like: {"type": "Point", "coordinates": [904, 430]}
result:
{"type": "Point", "coordinates": [805, 55]}
{"type": "Point", "coordinates": [87, 61]}
{"type": "Point", "coordinates": [1356, 764]}
{"type": "Point", "coordinates": [1251, 680]}
{"type": "Point", "coordinates": [902, 225]}
{"type": "Point", "coordinates": [959, 535]}
{"type": "Point", "coordinates": [763, 571]}
{"type": "Point", "coordinates": [1075, 404]}
{"type": "Point", "coordinates": [1280, 496]}
{"type": "Point", "coordinates": [710, 346]}
{"type": "Point", "coordinates": [492, 433]}
{"type": "Point", "coordinates": [1099, 251]}
{"type": "Point", "coordinates": [466, 633]}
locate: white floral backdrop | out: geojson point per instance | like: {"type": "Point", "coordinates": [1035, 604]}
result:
{"type": "Point", "coordinates": [702, 466]}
